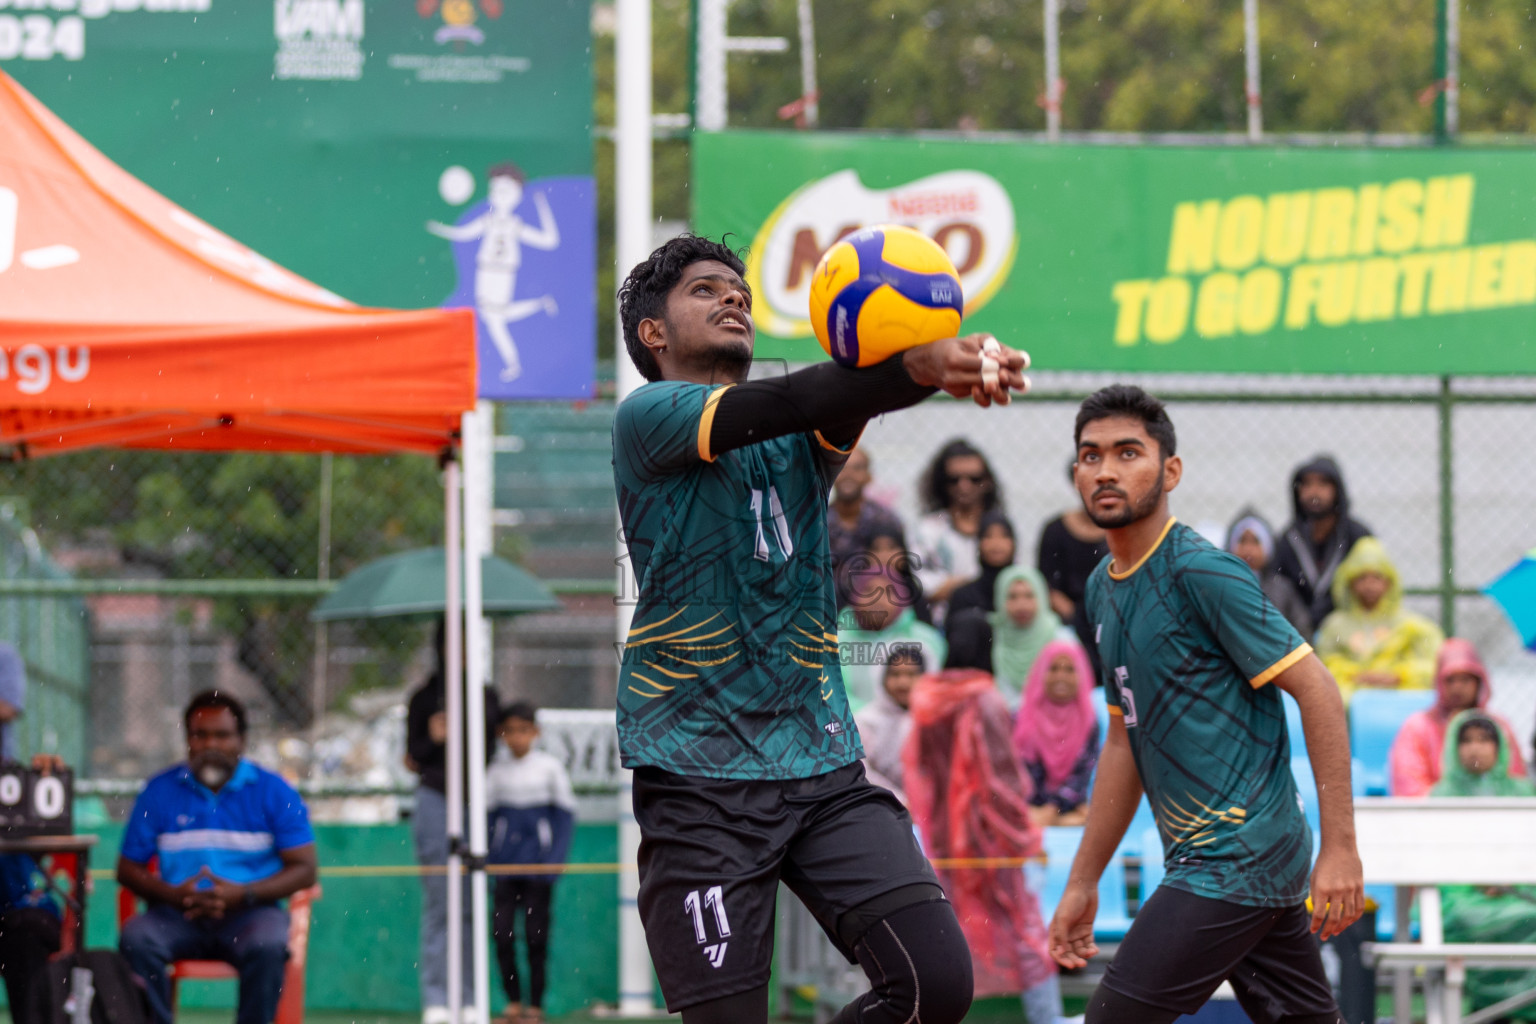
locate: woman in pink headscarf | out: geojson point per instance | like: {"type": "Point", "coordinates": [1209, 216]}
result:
{"type": "Point", "coordinates": [1461, 683]}
{"type": "Point", "coordinates": [1057, 733]}
{"type": "Point", "coordinates": [967, 794]}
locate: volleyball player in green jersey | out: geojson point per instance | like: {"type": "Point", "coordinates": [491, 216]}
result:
{"type": "Point", "coordinates": [731, 707]}
{"type": "Point", "coordinates": [1193, 653]}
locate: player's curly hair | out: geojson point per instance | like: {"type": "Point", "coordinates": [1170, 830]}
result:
{"type": "Point", "coordinates": [1130, 401]}
{"type": "Point", "coordinates": [643, 296]}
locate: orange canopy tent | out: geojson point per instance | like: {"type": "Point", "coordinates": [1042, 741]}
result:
{"type": "Point", "coordinates": [126, 321]}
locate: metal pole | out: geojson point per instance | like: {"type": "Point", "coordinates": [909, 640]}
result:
{"type": "Point", "coordinates": [477, 531]}
{"type": "Point", "coordinates": [453, 683]}
{"type": "Point", "coordinates": [808, 91]}
{"type": "Point", "coordinates": [711, 94]}
{"type": "Point", "coordinates": [322, 572]}
{"type": "Point", "coordinates": [1251, 61]}
{"type": "Point", "coordinates": [1053, 69]}
{"type": "Point", "coordinates": [1447, 409]}
{"type": "Point", "coordinates": [1442, 40]}
{"type": "Point", "coordinates": [632, 244]}
{"type": "Point", "coordinates": [1452, 92]}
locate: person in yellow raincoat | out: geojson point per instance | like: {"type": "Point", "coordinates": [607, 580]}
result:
{"type": "Point", "coordinates": [1370, 639]}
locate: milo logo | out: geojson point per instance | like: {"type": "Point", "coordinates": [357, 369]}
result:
{"type": "Point", "coordinates": [967, 212]}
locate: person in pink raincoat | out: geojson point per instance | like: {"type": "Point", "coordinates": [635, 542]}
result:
{"type": "Point", "coordinates": [1461, 683]}
{"type": "Point", "coordinates": [969, 797]}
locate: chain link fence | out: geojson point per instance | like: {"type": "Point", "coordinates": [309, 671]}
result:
{"type": "Point", "coordinates": [166, 573]}
{"type": "Point", "coordinates": [1435, 467]}
{"type": "Point", "coordinates": [52, 636]}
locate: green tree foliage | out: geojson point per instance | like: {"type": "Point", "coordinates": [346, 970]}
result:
{"type": "Point", "coordinates": [240, 516]}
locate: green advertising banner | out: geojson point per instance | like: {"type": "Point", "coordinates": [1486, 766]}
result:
{"type": "Point", "coordinates": [1206, 259]}
{"type": "Point", "coordinates": [401, 153]}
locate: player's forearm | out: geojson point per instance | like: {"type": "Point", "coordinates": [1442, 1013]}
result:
{"type": "Point", "coordinates": [1327, 732]}
{"type": "Point", "coordinates": [826, 397]}
{"type": "Point", "coordinates": [1116, 793]}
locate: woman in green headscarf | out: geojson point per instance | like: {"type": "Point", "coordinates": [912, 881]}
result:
{"type": "Point", "coordinates": [1477, 764]}
{"type": "Point", "coordinates": [1021, 627]}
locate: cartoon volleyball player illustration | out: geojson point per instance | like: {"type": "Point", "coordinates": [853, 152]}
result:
{"type": "Point", "coordinates": [502, 234]}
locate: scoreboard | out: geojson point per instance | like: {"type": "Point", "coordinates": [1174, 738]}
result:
{"type": "Point", "coordinates": [34, 804]}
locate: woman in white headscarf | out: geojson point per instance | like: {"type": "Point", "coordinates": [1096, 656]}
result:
{"type": "Point", "coordinates": [1251, 539]}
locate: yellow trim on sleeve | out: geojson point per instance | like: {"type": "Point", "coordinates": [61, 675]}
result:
{"type": "Point", "coordinates": [1280, 666]}
{"type": "Point", "coordinates": [829, 446]}
{"type": "Point", "coordinates": [707, 420]}
{"type": "Point", "coordinates": [1116, 709]}
{"type": "Point", "coordinates": [1150, 552]}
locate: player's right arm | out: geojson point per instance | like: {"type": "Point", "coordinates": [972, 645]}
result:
{"type": "Point", "coordinates": [837, 401]}
{"type": "Point", "coordinates": [1116, 793]}
{"type": "Point", "coordinates": [668, 426]}
{"type": "Point", "coordinates": [1337, 884]}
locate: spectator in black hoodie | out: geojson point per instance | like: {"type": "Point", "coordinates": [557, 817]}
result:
{"type": "Point", "coordinates": [1321, 534]}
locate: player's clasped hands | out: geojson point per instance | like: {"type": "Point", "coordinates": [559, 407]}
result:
{"type": "Point", "coordinates": [975, 366]}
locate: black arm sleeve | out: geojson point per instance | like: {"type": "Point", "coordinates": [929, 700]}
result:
{"type": "Point", "coordinates": [827, 397]}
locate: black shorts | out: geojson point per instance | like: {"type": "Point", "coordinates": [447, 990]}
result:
{"type": "Point", "coordinates": [712, 854]}
{"type": "Point", "coordinates": [1181, 947]}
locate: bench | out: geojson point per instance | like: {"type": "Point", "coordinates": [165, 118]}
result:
{"type": "Point", "coordinates": [1418, 845]}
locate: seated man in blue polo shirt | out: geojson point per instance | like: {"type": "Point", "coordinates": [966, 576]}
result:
{"type": "Point", "coordinates": [232, 839]}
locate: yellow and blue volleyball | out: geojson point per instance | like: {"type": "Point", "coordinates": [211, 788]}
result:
{"type": "Point", "coordinates": [881, 291]}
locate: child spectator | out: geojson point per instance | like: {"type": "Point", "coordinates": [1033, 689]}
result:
{"type": "Point", "coordinates": [1418, 753]}
{"type": "Point", "coordinates": [969, 798]}
{"type": "Point", "coordinates": [1371, 639]}
{"type": "Point", "coordinates": [1476, 764]}
{"type": "Point", "coordinates": [30, 921]}
{"type": "Point", "coordinates": [1251, 539]}
{"type": "Point", "coordinates": [884, 722]}
{"type": "Point", "coordinates": [996, 547]}
{"type": "Point", "coordinates": [532, 812]}
{"type": "Point", "coordinates": [878, 623]}
{"type": "Point", "coordinates": [958, 488]}
{"type": "Point", "coordinates": [881, 544]}
{"type": "Point", "coordinates": [1057, 734]}
{"type": "Point", "coordinates": [1022, 624]}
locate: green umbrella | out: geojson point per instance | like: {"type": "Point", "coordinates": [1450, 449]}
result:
{"type": "Point", "coordinates": [412, 583]}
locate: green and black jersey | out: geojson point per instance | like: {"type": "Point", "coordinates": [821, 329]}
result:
{"type": "Point", "coordinates": [731, 666]}
{"type": "Point", "coordinates": [1188, 643]}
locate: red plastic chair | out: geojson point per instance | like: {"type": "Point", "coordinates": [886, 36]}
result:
{"type": "Point", "coordinates": [60, 869]}
{"type": "Point", "coordinates": [290, 1007]}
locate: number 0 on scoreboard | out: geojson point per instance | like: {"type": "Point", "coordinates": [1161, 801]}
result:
{"type": "Point", "coordinates": [34, 804]}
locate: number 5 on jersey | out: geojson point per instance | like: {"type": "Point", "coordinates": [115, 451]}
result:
{"type": "Point", "coordinates": [1127, 698]}
{"type": "Point", "coordinates": [713, 900]}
